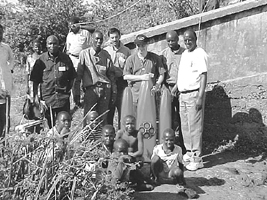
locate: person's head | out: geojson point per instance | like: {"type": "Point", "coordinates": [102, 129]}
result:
{"type": "Point", "coordinates": [74, 20]}
{"type": "Point", "coordinates": [1, 32]}
{"type": "Point", "coordinates": [129, 123]}
{"type": "Point", "coordinates": [169, 138]}
{"type": "Point", "coordinates": [92, 119]}
{"type": "Point", "coordinates": [36, 46]}
{"type": "Point", "coordinates": [121, 146]}
{"type": "Point", "coordinates": [190, 40]}
{"type": "Point", "coordinates": [63, 120]}
{"type": "Point", "coordinates": [97, 40]}
{"type": "Point", "coordinates": [172, 39]}
{"type": "Point", "coordinates": [141, 42]}
{"type": "Point", "coordinates": [114, 36]}
{"type": "Point", "coordinates": [52, 45]}
{"type": "Point", "coordinates": [108, 135]}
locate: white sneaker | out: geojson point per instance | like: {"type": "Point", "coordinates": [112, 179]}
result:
{"type": "Point", "coordinates": [194, 165]}
{"type": "Point", "coordinates": [187, 158]}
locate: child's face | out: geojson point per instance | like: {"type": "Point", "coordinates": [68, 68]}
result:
{"type": "Point", "coordinates": [92, 120]}
{"type": "Point", "coordinates": [169, 140]}
{"type": "Point", "coordinates": [108, 136]}
{"type": "Point", "coordinates": [121, 149]}
{"type": "Point", "coordinates": [37, 47]}
{"type": "Point", "coordinates": [64, 121]}
{"type": "Point", "coordinates": [130, 125]}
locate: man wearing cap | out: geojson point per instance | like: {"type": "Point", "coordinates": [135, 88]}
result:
{"type": "Point", "coordinates": [192, 80]}
{"type": "Point", "coordinates": [143, 66]}
{"type": "Point", "coordinates": [118, 53]}
{"type": "Point", "coordinates": [97, 74]}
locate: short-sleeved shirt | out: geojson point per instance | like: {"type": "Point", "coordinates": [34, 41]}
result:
{"type": "Point", "coordinates": [192, 65]}
{"type": "Point", "coordinates": [118, 57]}
{"type": "Point", "coordinates": [94, 68]}
{"type": "Point", "coordinates": [55, 76]}
{"type": "Point", "coordinates": [135, 66]}
{"type": "Point", "coordinates": [77, 42]}
{"type": "Point", "coordinates": [30, 62]}
{"type": "Point", "coordinates": [169, 158]}
{"type": "Point", "coordinates": [171, 60]}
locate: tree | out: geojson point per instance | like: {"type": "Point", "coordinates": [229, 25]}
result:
{"type": "Point", "coordinates": [142, 15]}
{"type": "Point", "coordinates": [37, 19]}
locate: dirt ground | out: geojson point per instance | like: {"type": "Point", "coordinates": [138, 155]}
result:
{"type": "Point", "coordinates": [225, 176]}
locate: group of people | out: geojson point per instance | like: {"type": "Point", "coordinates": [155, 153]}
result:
{"type": "Point", "coordinates": [102, 74]}
{"type": "Point", "coordinates": [124, 150]}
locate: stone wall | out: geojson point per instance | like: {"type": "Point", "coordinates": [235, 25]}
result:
{"type": "Point", "coordinates": [235, 37]}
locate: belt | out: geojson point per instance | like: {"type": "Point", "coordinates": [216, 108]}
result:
{"type": "Point", "coordinates": [188, 91]}
{"type": "Point", "coordinates": [77, 56]}
{"type": "Point", "coordinates": [100, 84]}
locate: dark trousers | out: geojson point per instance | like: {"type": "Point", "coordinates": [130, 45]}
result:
{"type": "Point", "coordinates": [3, 116]}
{"type": "Point", "coordinates": [121, 85]}
{"type": "Point", "coordinates": [55, 111]}
{"type": "Point", "coordinates": [92, 97]}
{"type": "Point", "coordinates": [176, 124]}
{"type": "Point", "coordinates": [2, 119]}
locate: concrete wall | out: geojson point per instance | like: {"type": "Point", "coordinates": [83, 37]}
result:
{"type": "Point", "coordinates": [235, 37]}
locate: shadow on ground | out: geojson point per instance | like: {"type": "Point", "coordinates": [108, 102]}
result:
{"type": "Point", "coordinates": [170, 192]}
{"type": "Point", "coordinates": [222, 128]}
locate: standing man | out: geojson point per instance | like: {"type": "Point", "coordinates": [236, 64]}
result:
{"type": "Point", "coordinates": [118, 53]}
{"type": "Point", "coordinates": [143, 66]}
{"type": "Point", "coordinates": [55, 73]}
{"type": "Point", "coordinates": [192, 80]}
{"type": "Point", "coordinates": [96, 71]}
{"type": "Point", "coordinates": [77, 40]}
{"type": "Point", "coordinates": [171, 59]}
{"type": "Point", "coordinates": [6, 82]}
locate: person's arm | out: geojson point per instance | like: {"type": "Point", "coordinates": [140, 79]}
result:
{"type": "Point", "coordinates": [72, 74]}
{"type": "Point", "coordinates": [27, 70]}
{"type": "Point", "coordinates": [37, 75]}
{"type": "Point", "coordinates": [11, 59]}
{"type": "Point", "coordinates": [112, 78]}
{"type": "Point", "coordinates": [118, 134]}
{"type": "Point", "coordinates": [144, 77]}
{"type": "Point", "coordinates": [68, 43]}
{"type": "Point", "coordinates": [128, 72]}
{"type": "Point", "coordinates": [140, 145]}
{"type": "Point", "coordinates": [201, 92]}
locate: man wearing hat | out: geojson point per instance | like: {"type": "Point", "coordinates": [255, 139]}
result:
{"type": "Point", "coordinates": [143, 66]}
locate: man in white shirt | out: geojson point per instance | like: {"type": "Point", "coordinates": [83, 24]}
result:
{"type": "Point", "coordinates": [192, 80]}
{"type": "Point", "coordinates": [6, 82]}
{"type": "Point", "coordinates": [77, 40]}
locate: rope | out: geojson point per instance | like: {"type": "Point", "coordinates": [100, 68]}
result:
{"type": "Point", "coordinates": [200, 19]}
{"type": "Point", "coordinates": [82, 23]}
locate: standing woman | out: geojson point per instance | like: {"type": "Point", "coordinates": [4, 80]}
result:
{"type": "Point", "coordinates": [37, 51]}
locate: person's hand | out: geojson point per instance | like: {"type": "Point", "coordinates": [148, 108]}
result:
{"type": "Point", "coordinates": [171, 80]}
{"type": "Point", "coordinates": [199, 103]}
{"type": "Point", "coordinates": [147, 77]}
{"type": "Point", "coordinates": [114, 95]}
{"type": "Point", "coordinates": [155, 88]}
{"type": "Point", "coordinates": [174, 91]}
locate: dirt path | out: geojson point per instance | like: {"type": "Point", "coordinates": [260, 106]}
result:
{"type": "Point", "coordinates": [226, 176]}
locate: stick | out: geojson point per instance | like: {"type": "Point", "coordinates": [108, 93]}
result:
{"type": "Point", "coordinates": [7, 117]}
